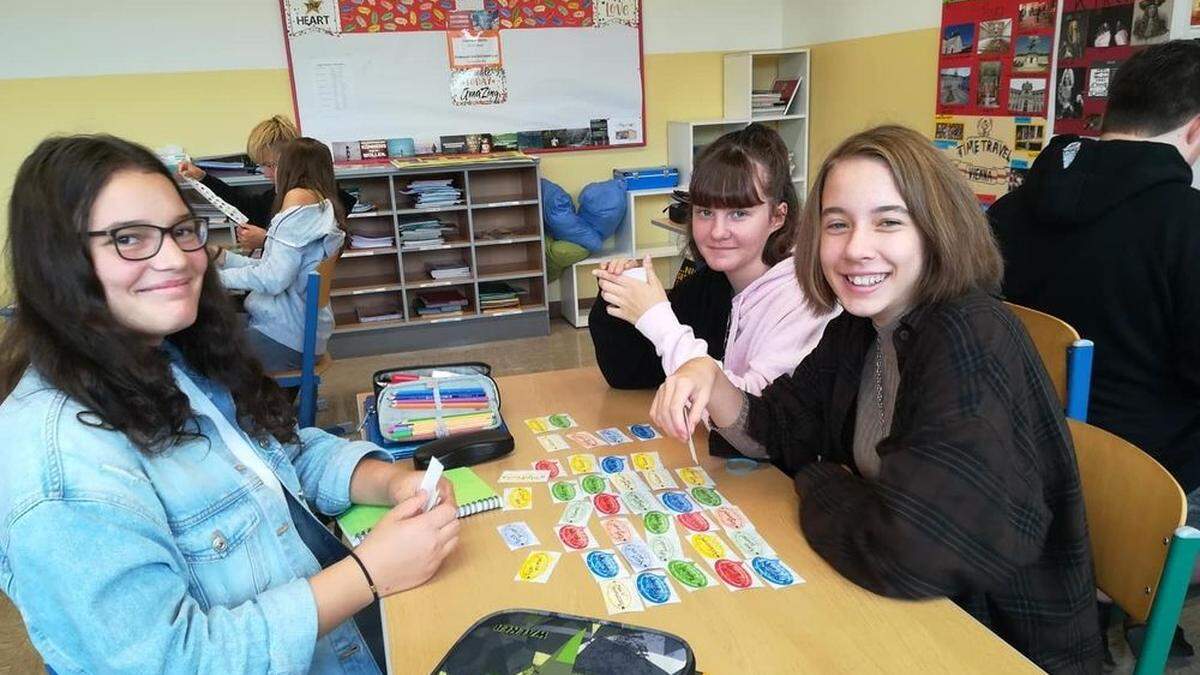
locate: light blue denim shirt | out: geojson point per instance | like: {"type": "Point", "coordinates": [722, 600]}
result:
{"type": "Point", "coordinates": [180, 562]}
{"type": "Point", "coordinates": [298, 240]}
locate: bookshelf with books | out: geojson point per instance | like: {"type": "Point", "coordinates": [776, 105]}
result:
{"type": "Point", "coordinates": [768, 84]}
{"type": "Point", "coordinates": [432, 231]}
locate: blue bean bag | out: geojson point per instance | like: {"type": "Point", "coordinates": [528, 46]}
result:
{"type": "Point", "coordinates": [601, 210]}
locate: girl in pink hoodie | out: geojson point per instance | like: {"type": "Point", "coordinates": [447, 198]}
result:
{"type": "Point", "coordinates": [744, 216]}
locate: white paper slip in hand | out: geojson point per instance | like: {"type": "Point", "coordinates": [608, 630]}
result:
{"type": "Point", "coordinates": [429, 483]}
{"type": "Point", "coordinates": [635, 272]}
{"type": "Point", "coordinates": [223, 206]}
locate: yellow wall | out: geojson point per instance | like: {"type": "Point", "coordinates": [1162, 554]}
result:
{"type": "Point", "coordinates": [211, 112]}
{"type": "Point", "coordinates": [857, 84]}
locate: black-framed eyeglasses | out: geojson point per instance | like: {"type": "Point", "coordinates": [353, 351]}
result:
{"type": "Point", "coordinates": [142, 241]}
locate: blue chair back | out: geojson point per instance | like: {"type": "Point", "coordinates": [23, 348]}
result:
{"type": "Point", "coordinates": [1067, 358]}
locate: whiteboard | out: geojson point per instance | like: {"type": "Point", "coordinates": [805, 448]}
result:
{"type": "Point", "coordinates": [351, 86]}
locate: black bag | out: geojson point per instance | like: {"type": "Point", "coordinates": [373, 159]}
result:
{"type": "Point", "coordinates": [508, 642]}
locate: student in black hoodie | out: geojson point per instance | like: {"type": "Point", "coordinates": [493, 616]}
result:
{"type": "Point", "coordinates": [1105, 234]}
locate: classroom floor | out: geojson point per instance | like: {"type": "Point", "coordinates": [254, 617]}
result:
{"type": "Point", "coordinates": [565, 347]}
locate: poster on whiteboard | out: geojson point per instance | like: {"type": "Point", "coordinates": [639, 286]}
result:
{"type": "Point", "coordinates": [416, 76]}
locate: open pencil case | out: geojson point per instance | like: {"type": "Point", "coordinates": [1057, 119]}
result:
{"type": "Point", "coordinates": [423, 403]}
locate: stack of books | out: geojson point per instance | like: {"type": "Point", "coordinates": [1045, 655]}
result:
{"type": "Point", "coordinates": [428, 194]}
{"type": "Point", "coordinates": [370, 241]}
{"type": "Point", "coordinates": [456, 270]}
{"type": "Point", "coordinates": [763, 101]}
{"type": "Point", "coordinates": [448, 302]}
{"type": "Point", "coordinates": [498, 295]}
{"type": "Point", "coordinates": [424, 233]}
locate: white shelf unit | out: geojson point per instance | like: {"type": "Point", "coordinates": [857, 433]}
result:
{"type": "Point", "coordinates": [686, 140]}
{"type": "Point", "coordinates": [746, 72]}
{"type": "Point", "coordinates": [623, 244]}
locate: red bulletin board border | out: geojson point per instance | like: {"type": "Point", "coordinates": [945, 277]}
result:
{"type": "Point", "coordinates": [622, 146]}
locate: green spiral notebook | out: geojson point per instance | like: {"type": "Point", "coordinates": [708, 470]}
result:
{"type": "Point", "coordinates": [471, 493]}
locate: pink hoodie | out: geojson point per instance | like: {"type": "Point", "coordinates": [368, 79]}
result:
{"type": "Point", "coordinates": [770, 331]}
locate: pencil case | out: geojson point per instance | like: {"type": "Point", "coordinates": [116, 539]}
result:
{"type": "Point", "coordinates": [423, 403]}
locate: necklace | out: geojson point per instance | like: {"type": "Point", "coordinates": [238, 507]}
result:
{"type": "Point", "coordinates": [879, 380]}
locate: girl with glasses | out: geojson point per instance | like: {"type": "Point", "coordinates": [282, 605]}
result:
{"type": "Point", "coordinates": [308, 227]}
{"type": "Point", "coordinates": [156, 493]}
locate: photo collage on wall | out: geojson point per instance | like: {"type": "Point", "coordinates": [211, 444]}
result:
{"type": "Point", "coordinates": [994, 88]}
{"type": "Point", "coordinates": [1095, 38]}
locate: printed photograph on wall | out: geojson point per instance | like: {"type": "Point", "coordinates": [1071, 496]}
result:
{"type": "Point", "coordinates": [1036, 15]}
{"type": "Point", "coordinates": [1030, 137]}
{"type": "Point", "coordinates": [1032, 54]}
{"type": "Point", "coordinates": [948, 131]}
{"type": "Point", "coordinates": [1027, 96]}
{"type": "Point", "coordinates": [1069, 94]}
{"type": "Point", "coordinates": [1100, 74]}
{"type": "Point", "coordinates": [1073, 37]}
{"type": "Point", "coordinates": [995, 36]}
{"type": "Point", "coordinates": [987, 94]}
{"type": "Point", "coordinates": [958, 39]}
{"type": "Point", "coordinates": [954, 86]}
{"type": "Point", "coordinates": [1109, 26]}
{"type": "Point", "coordinates": [1195, 13]}
{"type": "Point", "coordinates": [1151, 22]}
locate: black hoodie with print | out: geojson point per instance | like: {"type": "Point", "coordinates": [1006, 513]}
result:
{"type": "Point", "coordinates": [1105, 235]}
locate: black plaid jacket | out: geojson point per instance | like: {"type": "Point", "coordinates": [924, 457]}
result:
{"type": "Point", "coordinates": [978, 497]}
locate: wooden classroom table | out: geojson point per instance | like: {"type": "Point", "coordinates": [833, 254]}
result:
{"type": "Point", "coordinates": [826, 625]}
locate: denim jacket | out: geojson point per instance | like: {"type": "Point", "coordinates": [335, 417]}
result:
{"type": "Point", "coordinates": [298, 240]}
{"type": "Point", "coordinates": [179, 562]}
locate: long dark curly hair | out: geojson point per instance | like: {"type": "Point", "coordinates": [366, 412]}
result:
{"type": "Point", "coordinates": [64, 329]}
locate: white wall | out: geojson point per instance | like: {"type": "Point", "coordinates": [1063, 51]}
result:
{"type": "Point", "coordinates": [109, 37]}
{"type": "Point", "coordinates": [808, 22]}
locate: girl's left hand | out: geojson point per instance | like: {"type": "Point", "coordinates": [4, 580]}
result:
{"type": "Point", "coordinates": [251, 237]}
{"type": "Point", "coordinates": [406, 482]}
{"type": "Point", "coordinates": [628, 298]}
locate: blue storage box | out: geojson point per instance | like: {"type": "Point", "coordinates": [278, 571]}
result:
{"type": "Point", "coordinates": [648, 177]}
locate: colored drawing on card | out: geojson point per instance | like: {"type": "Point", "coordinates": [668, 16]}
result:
{"type": "Point", "coordinates": [774, 571]}
{"type": "Point", "coordinates": [626, 481]}
{"type": "Point", "coordinates": [751, 543]}
{"type": "Point", "coordinates": [677, 502]}
{"type": "Point", "coordinates": [563, 491]}
{"type": "Point", "coordinates": [553, 443]}
{"type": "Point", "coordinates": [576, 513]}
{"type": "Point", "coordinates": [518, 499]}
{"type": "Point", "coordinates": [655, 588]}
{"type": "Point", "coordinates": [607, 504]}
{"type": "Point", "coordinates": [619, 530]}
{"type": "Point", "coordinates": [576, 538]}
{"type": "Point", "coordinates": [731, 517]}
{"type": "Point", "coordinates": [689, 574]}
{"type": "Point", "coordinates": [613, 463]}
{"type": "Point", "coordinates": [588, 441]}
{"type": "Point", "coordinates": [733, 573]}
{"type": "Point", "coordinates": [604, 564]}
{"type": "Point", "coordinates": [560, 421]}
{"type": "Point", "coordinates": [538, 566]}
{"type": "Point", "coordinates": [536, 425]}
{"type": "Point", "coordinates": [639, 501]}
{"type": "Point", "coordinates": [665, 546]}
{"type": "Point", "coordinates": [582, 463]}
{"type": "Point", "coordinates": [645, 461]}
{"type": "Point", "coordinates": [593, 484]}
{"type": "Point", "coordinates": [517, 535]}
{"type": "Point", "coordinates": [619, 596]}
{"type": "Point", "coordinates": [639, 556]}
{"type": "Point", "coordinates": [695, 521]}
{"type": "Point", "coordinates": [660, 479]}
{"type": "Point", "coordinates": [613, 436]}
{"type": "Point", "coordinates": [695, 476]}
{"type": "Point", "coordinates": [708, 545]}
{"type": "Point", "coordinates": [551, 465]}
{"type": "Point", "coordinates": [656, 522]}
{"type": "Point", "coordinates": [704, 496]}
{"type": "Point", "coordinates": [644, 432]}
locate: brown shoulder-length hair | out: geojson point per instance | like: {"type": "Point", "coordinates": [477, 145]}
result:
{"type": "Point", "coordinates": [744, 168]}
{"type": "Point", "coordinates": [307, 163]}
{"type": "Point", "coordinates": [960, 252]}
